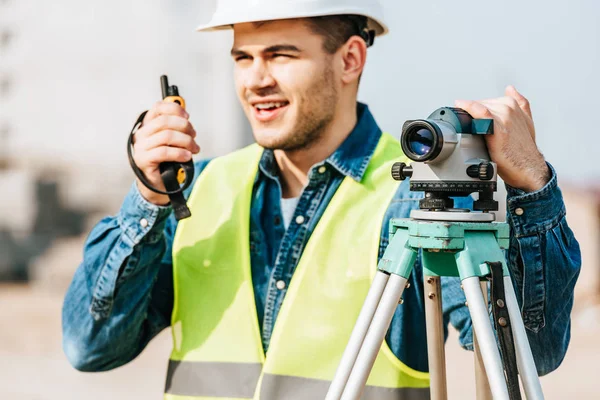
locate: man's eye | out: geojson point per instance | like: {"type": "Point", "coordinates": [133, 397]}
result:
{"type": "Point", "coordinates": [279, 55]}
{"type": "Point", "coordinates": [241, 58]}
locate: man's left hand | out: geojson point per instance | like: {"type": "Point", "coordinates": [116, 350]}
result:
{"type": "Point", "coordinates": [512, 146]}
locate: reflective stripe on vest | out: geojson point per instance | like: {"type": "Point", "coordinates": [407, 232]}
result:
{"type": "Point", "coordinates": [217, 348]}
{"type": "Point", "coordinates": [236, 380]}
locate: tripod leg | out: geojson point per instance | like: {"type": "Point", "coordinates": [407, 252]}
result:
{"type": "Point", "coordinates": [525, 362]}
{"type": "Point", "coordinates": [375, 336]}
{"type": "Point", "coordinates": [435, 338]}
{"type": "Point", "coordinates": [487, 341]}
{"type": "Point", "coordinates": [481, 380]}
{"type": "Point", "coordinates": [358, 335]}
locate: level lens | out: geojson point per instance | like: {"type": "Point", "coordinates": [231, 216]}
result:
{"type": "Point", "coordinates": [420, 141]}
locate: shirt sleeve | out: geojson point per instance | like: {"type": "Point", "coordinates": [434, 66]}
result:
{"type": "Point", "coordinates": [544, 261]}
{"type": "Point", "coordinates": [122, 293]}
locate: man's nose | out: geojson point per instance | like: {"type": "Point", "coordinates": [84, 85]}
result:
{"type": "Point", "coordinates": [258, 76]}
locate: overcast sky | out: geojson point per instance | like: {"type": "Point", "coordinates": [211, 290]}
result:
{"type": "Point", "coordinates": [439, 51]}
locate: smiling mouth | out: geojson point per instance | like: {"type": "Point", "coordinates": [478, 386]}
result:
{"type": "Point", "coordinates": [268, 111]}
{"type": "Point", "coordinates": [270, 106]}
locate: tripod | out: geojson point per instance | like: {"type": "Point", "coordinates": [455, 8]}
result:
{"type": "Point", "coordinates": [454, 244]}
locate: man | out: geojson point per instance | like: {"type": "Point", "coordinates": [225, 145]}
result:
{"type": "Point", "coordinates": [263, 284]}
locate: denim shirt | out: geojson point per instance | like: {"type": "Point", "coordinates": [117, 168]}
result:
{"type": "Point", "coordinates": [122, 293]}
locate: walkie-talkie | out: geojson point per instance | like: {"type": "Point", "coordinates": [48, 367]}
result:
{"type": "Point", "coordinates": [176, 176]}
{"type": "Point", "coordinates": [170, 93]}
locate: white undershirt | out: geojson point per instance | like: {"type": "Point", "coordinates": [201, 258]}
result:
{"type": "Point", "coordinates": [288, 207]}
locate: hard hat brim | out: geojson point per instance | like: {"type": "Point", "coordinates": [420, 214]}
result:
{"type": "Point", "coordinates": [219, 23]}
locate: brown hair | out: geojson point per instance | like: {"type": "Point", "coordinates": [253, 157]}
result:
{"type": "Point", "coordinates": [337, 29]}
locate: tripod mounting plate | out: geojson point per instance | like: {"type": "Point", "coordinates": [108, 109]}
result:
{"type": "Point", "coordinates": [445, 236]}
{"type": "Point", "coordinates": [452, 216]}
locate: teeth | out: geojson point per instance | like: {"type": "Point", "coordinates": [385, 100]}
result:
{"type": "Point", "coordinates": [263, 106]}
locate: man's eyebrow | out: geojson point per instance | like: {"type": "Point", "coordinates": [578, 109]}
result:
{"type": "Point", "coordinates": [235, 52]}
{"type": "Point", "coordinates": [281, 47]}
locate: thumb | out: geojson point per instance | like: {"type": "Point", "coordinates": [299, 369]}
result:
{"type": "Point", "coordinates": [475, 108]}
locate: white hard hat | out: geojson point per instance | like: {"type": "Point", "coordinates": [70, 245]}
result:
{"type": "Point", "coordinates": [231, 12]}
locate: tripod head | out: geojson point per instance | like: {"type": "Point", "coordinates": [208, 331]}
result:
{"type": "Point", "coordinates": [450, 159]}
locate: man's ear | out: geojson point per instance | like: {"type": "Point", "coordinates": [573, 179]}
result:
{"type": "Point", "coordinates": [354, 56]}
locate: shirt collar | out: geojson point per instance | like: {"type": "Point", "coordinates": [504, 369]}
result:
{"type": "Point", "coordinates": [354, 154]}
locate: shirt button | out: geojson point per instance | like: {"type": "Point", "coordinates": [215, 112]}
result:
{"type": "Point", "coordinates": [299, 219]}
{"type": "Point", "coordinates": [144, 222]}
{"type": "Point", "coordinates": [519, 211]}
{"type": "Point", "coordinates": [280, 285]}
{"type": "Point", "coordinates": [322, 169]}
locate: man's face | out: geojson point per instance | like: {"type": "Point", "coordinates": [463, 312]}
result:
{"type": "Point", "coordinates": [285, 81]}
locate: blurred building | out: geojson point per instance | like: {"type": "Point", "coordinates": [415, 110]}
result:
{"type": "Point", "coordinates": [583, 215]}
{"type": "Point", "coordinates": [79, 74]}
{"type": "Point", "coordinates": [73, 78]}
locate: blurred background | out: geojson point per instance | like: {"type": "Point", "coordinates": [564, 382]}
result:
{"type": "Point", "coordinates": [74, 76]}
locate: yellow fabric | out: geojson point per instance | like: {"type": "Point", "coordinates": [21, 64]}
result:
{"type": "Point", "coordinates": [214, 317]}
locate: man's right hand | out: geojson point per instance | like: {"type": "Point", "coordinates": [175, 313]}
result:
{"type": "Point", "coordinates": [166, 134]}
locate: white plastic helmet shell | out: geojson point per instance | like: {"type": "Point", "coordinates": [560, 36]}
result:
{"type": "Point", "coordinates": [231, 12]}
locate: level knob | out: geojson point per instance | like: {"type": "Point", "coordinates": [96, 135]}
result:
{"type": "Point", "coordinates": [401, 171]}
{"type": "Point", "coordinates": [483, 171]}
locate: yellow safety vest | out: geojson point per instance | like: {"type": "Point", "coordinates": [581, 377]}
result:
{"type": "Point", "coordinates": [217, 349]}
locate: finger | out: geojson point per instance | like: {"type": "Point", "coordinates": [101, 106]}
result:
{"type": "Point", "coordinates": [501, 103]}
{"type": "Point", "coordinates": [523, 103]}
{"type": "Point", "coordinates": [475, 108]}
{"type": "Point", "coordinates": [501, 108]}
{"type": "Point", "coordinates": [505, 106]}
{"type": "Point", "coordinates": [164, 154]}
{"type": "Point", "coordinates": [171, 139]}
{"type": "Point", "coordinates": [506, 109]}
{"type": "Point", "coordinates": [167, 122]}
{"type": "Point", "coordinates": [523, 106]}
{"type": "Point", "coordinates": [165, 108]}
